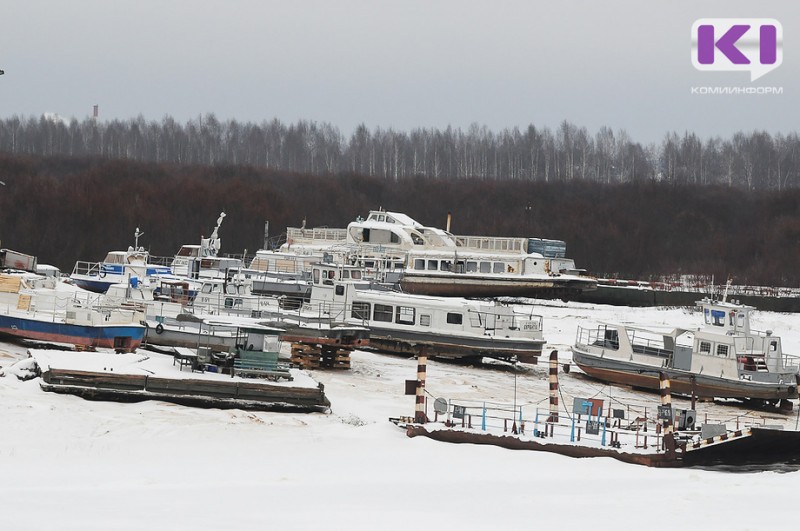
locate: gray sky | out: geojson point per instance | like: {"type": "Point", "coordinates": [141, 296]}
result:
{"type": "Point", "coordinates": [401, 64]}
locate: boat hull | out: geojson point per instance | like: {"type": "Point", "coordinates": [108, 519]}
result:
{"type": "Point", "coordinates": [442, 346]}
{"type": "Point", "coordinates": [643, 376]}
{"type": "Point", "coordinates": [189, 337]}
{"type": "Point", "coordinates": [93, 284]}
{"type": "Point", "coordinates": [477, 286]}
{"type": "Point", "coordinates": [120, 337]}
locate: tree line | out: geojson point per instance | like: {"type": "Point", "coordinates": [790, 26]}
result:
{"type": "Point", "coordinates": [754, 160]}
{"type": "Point", "coordinates": [65, 209]}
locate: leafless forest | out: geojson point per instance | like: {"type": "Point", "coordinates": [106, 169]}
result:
{"type": "Point", "coordinates": [68, 208]}
{"type": "Point", "coordinates": [750, 160]}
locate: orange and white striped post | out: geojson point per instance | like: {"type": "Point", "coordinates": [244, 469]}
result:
{"type": "Point", "coordinates": [666, 400]}
{"type": "Point", "coordinates": [422, 364]}
{"type": "Point", "coordinates": [553, 418]}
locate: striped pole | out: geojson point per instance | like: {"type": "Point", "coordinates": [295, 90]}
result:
{"type": "Point", "coordinates": [553, 418]}
{"type": "Point", "coordinates": [422, 363]}
{"type": "Point", "coordinates": [666, 400]}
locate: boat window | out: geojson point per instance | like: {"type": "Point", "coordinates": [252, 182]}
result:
{"type": "Point", "coordinates": [424, 320]}
{"type": "Point", "coordinates": [405, 315]}
{"type": "Point", "coordinates": [229, 302]}
{"type": "Point", "coordinates": [740, 317]}
{"type": "Point", "coordinates": [455, 318]}
{"type": "Point", "coordinates": [722, 350]}
{"type": "Point", "coordinates": [486, 267]}
{"type": "Point", "coordinates": [360, 310]}
{"type": "Point", "coordinates": [417, 239]}
{"type": "Point", "coordinates": [498, 267]}
{"type": "Point", "coordinates": [732, 318]}
{"type": "Point", "coordinates": [707, 315]}
{"type": "Point", "coordinates": [327, 278]}
{"type": "Point", "coordinates": [445, 265]}
{"type": "Point", "coordinates": [365, 235]}
{"type": "Point", "coordinates": [718, 317]}
{"type": "Point", "coordinates": [419, 264]}
{"type": "Point", "coordinates": [383, 313]}
{"type": "Point", "coordinates": [705, 347]}
{"type": "Point", "coordinates": [394, 238]}
{"type": "Point", "coordinates": [206, 288]}
{"type": "Point", "coordinates": [230, 289]}
{"type": "Point", "coordinates": [459, 266]}
{"type": "Point", "coordinates": [381, 217]}
{"type": "Point", "coordinates": [340, 290]}
{"type": "Point", "coordinates": [316, 276]}
{"type": "Point", "coordinates": [773, 346]}
{"type": "Point", "coordinates": [472, 267]}
{"type": "Point", "coordinates": [355, 275]}
{"type": "Point", "coordinates": [433, 265]}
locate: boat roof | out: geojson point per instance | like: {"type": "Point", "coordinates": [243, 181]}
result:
{"type": "Point", "coordinates": [666, 331]}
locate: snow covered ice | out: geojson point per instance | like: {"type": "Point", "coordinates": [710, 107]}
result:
{"type": "Point", "coordinates": [69, 463]}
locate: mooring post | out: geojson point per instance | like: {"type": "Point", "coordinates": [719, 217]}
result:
{"type": "Point", "coordinates": [553, 418]}
{"type": "Point", "coordinates": [666, 401]}
{"type": "Point", "coordinates": [603, 440]}
{"type": "Point", "coordinates": [422, 363]}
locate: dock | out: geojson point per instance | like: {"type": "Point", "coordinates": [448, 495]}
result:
{"type": "Point", "coordinates": [146, 375]}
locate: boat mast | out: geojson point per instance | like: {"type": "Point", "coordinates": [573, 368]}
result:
{"type": "Point", "coordinates": [136, 238]}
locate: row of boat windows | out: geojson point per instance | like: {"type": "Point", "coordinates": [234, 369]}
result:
{"type": "Point", "coordinates": [723, 350]}
{"type": "Point", "coordinates": [329, 275]}
{"type": "Point", "coordinates": [405, 315]}
{"type": "Point", "coordinates": [462, 266]}
{"type": "Point", "coordinates": [230, 289]}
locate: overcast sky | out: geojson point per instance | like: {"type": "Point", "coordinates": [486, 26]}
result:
{"type": "Point", "coordinates": [401, 64]}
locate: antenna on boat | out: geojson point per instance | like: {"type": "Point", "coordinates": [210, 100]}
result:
{"type": "Point", "coordinates": [727, 285]}
{"type": "Point", "coordinates": [136, 238]}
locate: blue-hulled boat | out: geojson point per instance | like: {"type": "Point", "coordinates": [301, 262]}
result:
{"type": "Point", "coordinates": [118, 267]}
{"type": "Point", "coordinates": [31, 310]}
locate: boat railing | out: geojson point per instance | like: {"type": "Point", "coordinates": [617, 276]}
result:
{"type": "Point", "coordinates": [317, 234]}
{"type": "Point", "coordinates": [633, 426]}
{"type": "Point", "coordinates": [87, 268]}
{"type": "Point", "coordinates": [596, 337]}
{"type": "Point", "coordinates": [492, 243]}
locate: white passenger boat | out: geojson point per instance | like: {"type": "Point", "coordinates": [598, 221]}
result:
{"type": "Point", "coordinates": [724, 358]}
{"type": "Point", "coordinates": [203, 260]}
{"type": "Point", "coordinates": [435, 262]}
{"type": "Point", "coordinates": [118, 267]}
{"type": "Point", "coordinates": [446, 327]}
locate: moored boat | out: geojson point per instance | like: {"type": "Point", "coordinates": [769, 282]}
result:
{"type": "Point", "coordinates": [724, 358]}
{"type": "Point", "coordinates": [118, 267]}
{"type": "Point", "coordinates": [435, 262]}
{"type": "Point", "coordinates": [45, 314]}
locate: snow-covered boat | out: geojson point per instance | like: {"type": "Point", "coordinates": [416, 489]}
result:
{"type": "Point", "coordinates": [118, 267]}
{"type": "Point", "coordinates": [435, 262]}
{"type": "Point", "coordinates": [724, 358]}
{"type": "Point", "coordinates": [447, 327]}
{"type": "Point", "coordinates": [31, 308]}
{"type": "Point", "coordinates": [203, 260]}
